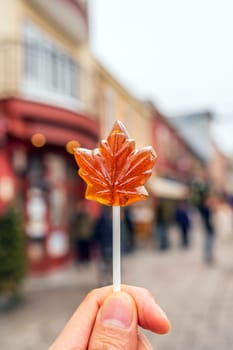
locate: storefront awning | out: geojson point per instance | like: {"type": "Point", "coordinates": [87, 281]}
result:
{"type": "Point", "coordinates": [58, 125]}
{"type": "Point", "coordinates": [165, 188]}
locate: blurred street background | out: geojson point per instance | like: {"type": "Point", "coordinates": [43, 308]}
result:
{"type": "Point", "coordinates": [68, 70]}
{"type": "Point", "coordinates": [196, 297]}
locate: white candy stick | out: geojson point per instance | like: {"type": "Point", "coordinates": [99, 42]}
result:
{"type": "Point", "coordinates": [116, 247]}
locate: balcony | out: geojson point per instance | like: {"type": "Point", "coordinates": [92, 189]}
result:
{"type": "Point", "coordinates": [69, 15]}
{"type": "Point", "coordinates": [43, 73]}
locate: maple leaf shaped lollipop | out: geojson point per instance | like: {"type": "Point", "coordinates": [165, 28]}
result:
{"type": "Point", "coordinates": [116, 172]}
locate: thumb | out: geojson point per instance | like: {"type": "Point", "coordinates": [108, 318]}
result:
{"type": "Point", "coordinates": [116, 324]}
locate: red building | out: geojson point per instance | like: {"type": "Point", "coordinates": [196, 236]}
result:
{"type": "Point", "coordinates": [45, 174]}
{"type": "Point", "coordinates": [177, 164]}
{"type": "Point", "coordinates": [46, 108]}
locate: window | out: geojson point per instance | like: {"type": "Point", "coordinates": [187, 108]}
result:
{"type": "Point", "coordinates": [47, 68]}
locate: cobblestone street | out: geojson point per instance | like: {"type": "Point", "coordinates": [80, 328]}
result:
{"type": "Point", "coordinates": [197, 299]}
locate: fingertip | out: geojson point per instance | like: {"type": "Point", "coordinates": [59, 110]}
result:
{"type": "Point", "coordinates": [163, 323]}
{"type": "Point", "coordinates": [151, 315]}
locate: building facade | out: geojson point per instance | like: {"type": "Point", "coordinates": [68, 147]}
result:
{"type": "Point", "coordinates": [47, 106]}
{"type": "Point", "coordinates": [54, 96]}
{"type": "Point", "coordinates": [116, 102]}
{"type": "Point", "coordinates": [218, 165]}
{"type": "Point", "coordinates": [178, 164]}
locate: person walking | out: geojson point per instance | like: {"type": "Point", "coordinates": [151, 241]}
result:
{"type": "Point", "coordinates": [81, 233]}
{"type": "Point", "coordinates": [183, 221]}
{"type": "Point", "coordinates": [102, 238]}
{"type": "Point", "coordinates": [161, 227]}
{"type": "Point", "coordinates": [206, 211]}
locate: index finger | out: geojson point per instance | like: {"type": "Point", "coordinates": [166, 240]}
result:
{"type": "Point", "coordinates": [150, 314]}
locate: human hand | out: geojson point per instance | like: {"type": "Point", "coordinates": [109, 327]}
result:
{"type": "Point", "coordinates": [109, 320]}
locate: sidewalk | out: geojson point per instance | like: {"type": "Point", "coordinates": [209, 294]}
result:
{"type": "Point", "coordinates": [197, 299]}
{"type": "Point", "coordinates": [68, 276]}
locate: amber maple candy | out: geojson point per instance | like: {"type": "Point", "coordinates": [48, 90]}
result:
{"type": "Point", "coordinates": [116, 172]}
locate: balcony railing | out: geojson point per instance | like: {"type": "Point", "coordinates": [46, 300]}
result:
{"type": "Point", "coordinates": [44, 73]}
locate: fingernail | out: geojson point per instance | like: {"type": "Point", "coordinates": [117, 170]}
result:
{"type": "Point", "coordinates": [117, 311]}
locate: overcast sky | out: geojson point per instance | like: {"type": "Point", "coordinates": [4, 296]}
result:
{"type": "Point", "coordinates": [178, 53]}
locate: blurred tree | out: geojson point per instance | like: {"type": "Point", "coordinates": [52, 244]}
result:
{"type": "Point", "coordinates": [12, 254]}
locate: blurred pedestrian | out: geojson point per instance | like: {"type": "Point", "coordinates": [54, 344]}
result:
{"type": "Point", "coordinates": [127, 231]}
{"type": "Point", "coordinates": [103, 240]}
{"type": "Point", "coordinates": [161, 227]}
{"type": "Point", "coordinates": [223, 224]}
{"type": "Point", "coordinates": [182, 218]}
{"type": "Point", "coordinates": [206, 207]}
{"type": "Point", "coordinates": [81, 232]}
